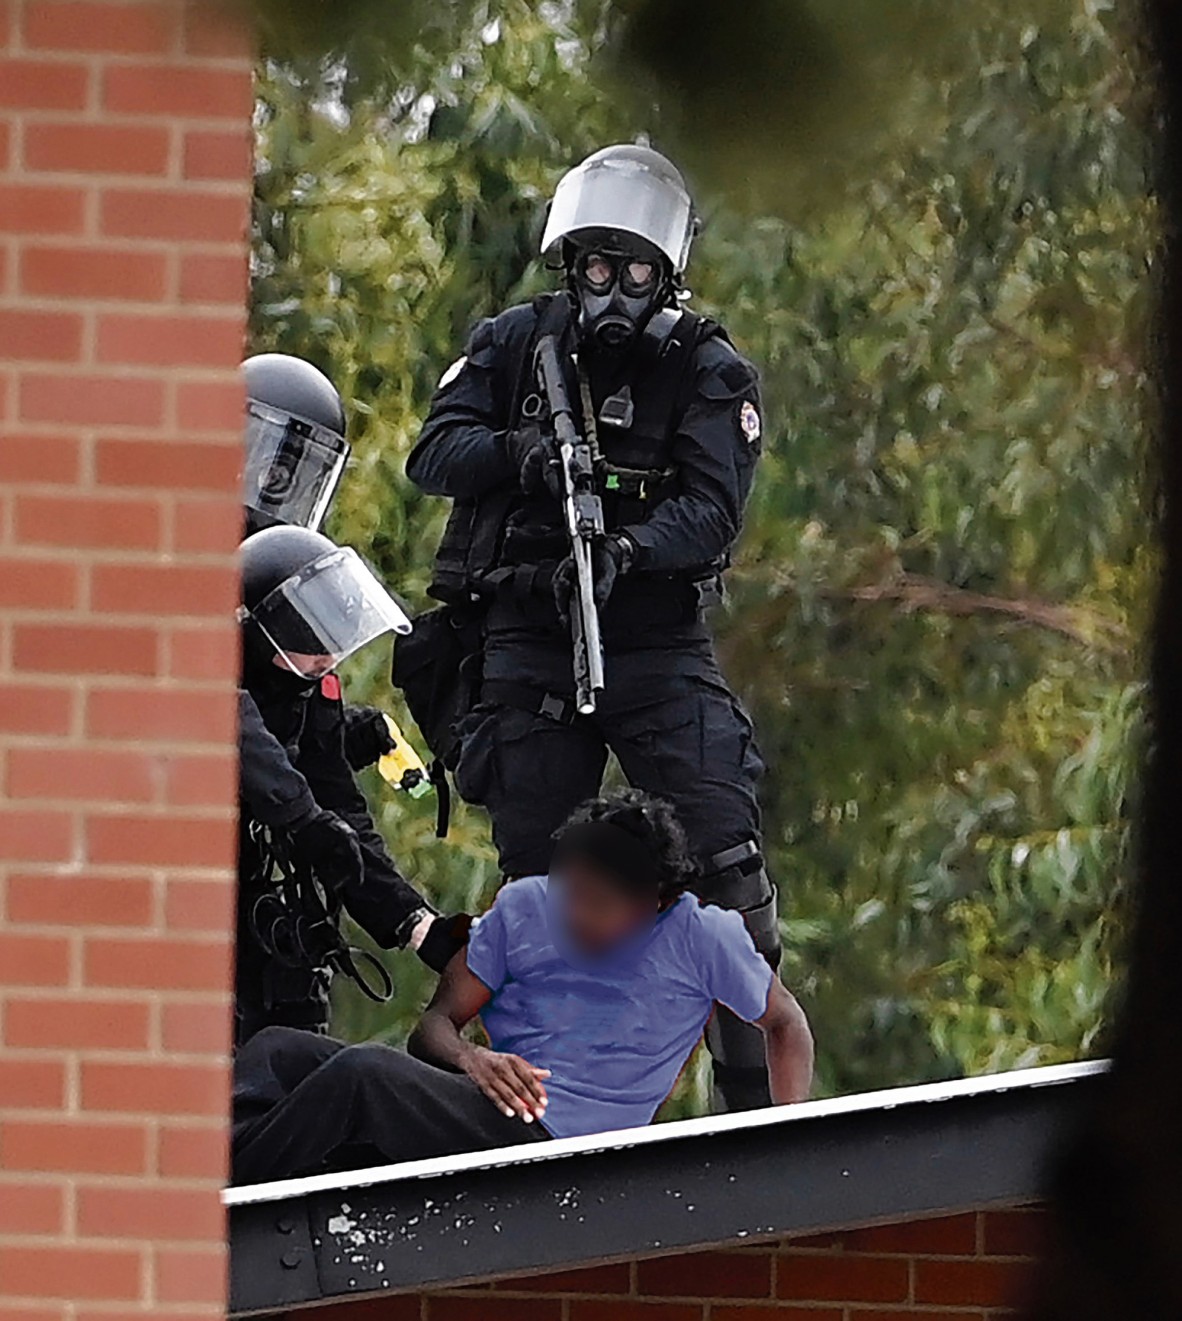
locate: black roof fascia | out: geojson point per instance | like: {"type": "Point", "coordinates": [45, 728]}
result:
{"type": "Point", "coordinates": [904, 1153]}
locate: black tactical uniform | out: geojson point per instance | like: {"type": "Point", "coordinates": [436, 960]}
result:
{"type": "Point", "coordinates": [676, 425]}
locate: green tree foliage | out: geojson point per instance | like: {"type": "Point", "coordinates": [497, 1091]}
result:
{"type": "Point", "coordinates": [936, 608]}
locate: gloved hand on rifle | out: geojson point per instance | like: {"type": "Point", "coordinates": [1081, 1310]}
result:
{"type": "Point", "coordinates": [329, 845]}
{"type": "Point", "coordinates": [445, 937]}
{"type": "Point", "coordinates": [532, 453]}
{"type": "Point", "coordinates": [367, 737]}
{"type": "Point", "coordinates": [610, 558]}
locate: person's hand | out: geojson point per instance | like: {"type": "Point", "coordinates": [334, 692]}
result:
{"type": "Point", "coordinates": [330, 846]}
{"type": "Point", "coordinates": [533, 456]}
{"type": "Point", "coordinates": [512, 1084]}
{"type": "Point", "coordinates": [446, 936]}
{"type": "Point", "coordinates": [367, 736]}
{"type": "Point", "coordinates": [610, 558]}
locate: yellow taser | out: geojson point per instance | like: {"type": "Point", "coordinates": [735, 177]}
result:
{"type": "Point", "coordinates": [402, 767]}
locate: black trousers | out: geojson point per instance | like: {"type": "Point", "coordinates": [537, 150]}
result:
{"type": "Point", "coordinates": [306, 1104]}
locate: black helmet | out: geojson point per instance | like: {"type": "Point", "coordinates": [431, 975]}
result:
{"type": "Point", "coordinates": [295, 441]}
{"type": "Point", "coordinates": [309, 601]}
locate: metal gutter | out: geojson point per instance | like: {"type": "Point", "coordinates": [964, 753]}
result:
{"type": "Point", "coordinates": [904, 1152]}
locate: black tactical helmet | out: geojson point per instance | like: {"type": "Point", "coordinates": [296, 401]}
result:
{"type": "Point", "coordinates": [294, 386]}
{"type": "Point", "coordinates": [269, 558]}
{"type": "Point", "coordinates": [295, 442]}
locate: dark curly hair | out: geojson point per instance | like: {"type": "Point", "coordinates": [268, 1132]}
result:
{"type": "Point", "coordinates": [654, 824]}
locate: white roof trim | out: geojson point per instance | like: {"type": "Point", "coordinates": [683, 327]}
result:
{"type": "Point", "coordinates": [561, 1148]}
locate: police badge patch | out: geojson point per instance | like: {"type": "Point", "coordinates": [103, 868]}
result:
{"type": "Point", "coordinates": [749, 422]}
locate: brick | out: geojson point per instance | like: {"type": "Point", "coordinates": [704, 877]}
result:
{"type": "Point", "coordinates": [1022, 1232]}
{"type": "Point", "coordinates": [93, 272]}
{"type": "Point", "coordinates": [36, 584]}
{"type": "Point", "coordinates": [146, 1212]}
{"type": "Point", "coordinates": [36, 1313]}
{"type": "Point", "coordinates": [5, 148]}
{"type": "Point", "coordinates": [199, 905]}
{"type": "Point", "coordinates": [179, 965]}
{"type": "Point", "coordinates": [205, 216]}
{"type": "Point", "coordinates": [152, 713]}
{"type": "Point", "coordinates": [211, 406]}
{"type": "Point", "coordinates": [82, 25]}
{"type": "Point", "coordinates": [611, 1310]}
{"type": "Point", "coordinates": [170, 465]}
{"type": "Point", "coordinates": [179, 90]}
{"type": "Point", "coordinates": [155, 1089]}
{"type": "Point", "coordinates": [593, 1279]}
{"type": "Point", "coordinates": [87, 773]}
{"type": "Point", "coordinates": [193, 1153]}
{"type": "Point", "coordinates": [796, 1314]}
{"type": "Point", "coordinates": [31, 209]}
{"type": "Point", "coordinates": [209, 653]}
{"type": "Point", "coordinates": [43, 85]}
{"type": "Point", "coordinates": [954, 1236]}
{"type": "Point", "coordinates": [207, 781]}
{"type": "Point", "coordinates": [40, 460]}
{"type": "Point", "coordinates": [213, 32]}
{"type": "Point", "coordinates": [967, 1283]}
{"type": "Point", "coordinates": [197, 1029]}
{"type": "Point", "coordinates": [190, 1277]}
{"type": "Point", "coordinates": [34, 709]}
{"type": "Point", "coordinates": [33, 960]}
{"type": "Point", "coordinates": [404, 1308]}
{"type": "Point", "coordinates": [909, 1314]}
{"type": "Point", "coordinates": [212, 154]}
{"type": "Point", "coordinates": [842, 1279]}
{"type": "Point", "coordinates": [708, 1275]}
{"type": "Point", "coordinates": [79, 900]}
{"type": "Point", "coordinates": [30, 1208]}
{"type": "Point", "coordinates": [209, 278]}
{"type": "Point", "coordinates": [84, 649]}
{"type": "Point", "coordinates": [207, 526]}
{"type": "Point", "coordinates": [40, 336]}
{"type": "Point", "coordinates": [89, 522]}
{"type": "Point", "coordinates": [32, 1084]}
{"type": "Point", "coordinates": [491, 1308]}
{"type": "Point", "coordinates": [72, 1024]}
{"type": "Point", "coordinates": [164, 841]}
{"type": "Point", "coordinates": [39, 836]}
{"type": "Point", "coordinates": [73, 1147]}
{"type": "Point", "coordinates": [163, 589]}
{"type": "Point", "coordinates": [170, 341]}
{"type": "Point", "coordinates": [91, 401]}
{"type": "Point", "coordinates": [71, 1273]}
{"type": "Point", "coordinates": [97, 148]}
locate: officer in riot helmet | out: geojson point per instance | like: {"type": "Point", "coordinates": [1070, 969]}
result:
{"type": "Point", "coordinates": [671, 411]}
{"type": "Point", "coordinates": [307, 845]}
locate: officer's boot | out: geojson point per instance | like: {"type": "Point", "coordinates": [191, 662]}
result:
{"type": "Point", "coordinates": [736, 878]}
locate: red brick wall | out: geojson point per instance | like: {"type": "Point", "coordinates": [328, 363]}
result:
{"type": "Point", "coordinates": [124, 180]}
{"type": "Point", "coordinates": [960, 1268]}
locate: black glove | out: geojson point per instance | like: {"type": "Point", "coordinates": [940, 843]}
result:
{"type": "Point", "coordinates": [445, 937]}
{"type": "Point", "coordinates": [532, 454]}
{"type": "Point", "coordinates": [367, 739]}
{"type": "Point", "coordinates": [610, 558]}
{"type": "Point", "coordinates": [330, 846]}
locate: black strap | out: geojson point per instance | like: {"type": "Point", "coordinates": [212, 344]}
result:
{"type": "Point", "coordinates": [437, 774]}
{"type": "Point", "coordinates": [524, 697]}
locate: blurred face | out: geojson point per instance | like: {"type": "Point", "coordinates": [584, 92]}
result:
{"type": "Point", "coordinates": [599, 912]}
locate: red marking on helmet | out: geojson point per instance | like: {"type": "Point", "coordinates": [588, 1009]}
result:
{"type": "Point", "coordinates": [330, 687]}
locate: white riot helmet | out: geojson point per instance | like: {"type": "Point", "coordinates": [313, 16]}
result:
{"type": "Point", "coordinates": [628, 189]}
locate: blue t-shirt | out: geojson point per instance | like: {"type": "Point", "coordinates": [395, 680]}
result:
{"type": "Point", "coordinates": [614, 1033]}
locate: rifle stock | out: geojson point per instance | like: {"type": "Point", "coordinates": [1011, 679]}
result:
{"type": "Point", "coordinates": [584, 523]}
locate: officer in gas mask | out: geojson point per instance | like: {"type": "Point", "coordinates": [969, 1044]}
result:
{"type": "Point", "coordinates": [672, 413]}
{"type": "Point", "coordinates": [307, 845]}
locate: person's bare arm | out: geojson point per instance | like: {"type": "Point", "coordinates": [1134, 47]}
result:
{"type": "Point", "coordinates": [511, 1083]}
{"type": "Point", "coordinates": [789, 1046]}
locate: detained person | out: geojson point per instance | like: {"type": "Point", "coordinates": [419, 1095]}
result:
{"type": "Point", "coordinates": [594, 984]}
{"type": "Point", "coordinates": [307, 846]}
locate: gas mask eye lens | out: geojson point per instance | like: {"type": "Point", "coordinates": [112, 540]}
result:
{"type": "Point", "coordinates": [639, 276]}
{"type": "Point", "coordinates": [598, 271]}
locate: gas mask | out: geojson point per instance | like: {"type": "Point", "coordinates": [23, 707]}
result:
{"type": "Point", "coordinates": [618, 287]}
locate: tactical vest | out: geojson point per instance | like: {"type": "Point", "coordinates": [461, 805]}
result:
{"type": "Point", "coordinates": [635, 460]}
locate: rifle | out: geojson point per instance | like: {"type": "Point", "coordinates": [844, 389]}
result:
{"type": "Point", "coordinates": [584, 523]}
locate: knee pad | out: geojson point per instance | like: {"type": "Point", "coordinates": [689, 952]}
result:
{"type": "Point", "coordinates": [737, 878]}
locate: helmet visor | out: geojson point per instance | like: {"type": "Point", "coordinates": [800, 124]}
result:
{"type": "Point", "coordinates": [292, 466]}
{"type": "Point", "coordinates": [623, 195]}
{"type": "Point", "coordinates": [326, 612]}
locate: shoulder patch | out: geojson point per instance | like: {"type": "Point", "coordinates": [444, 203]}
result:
{"type": "Point", "coordinates": [750, 422]}
{"type": "Point", "coordinates": [452, 372]}
{"type": "Point", "coordinates": [330, 687]}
